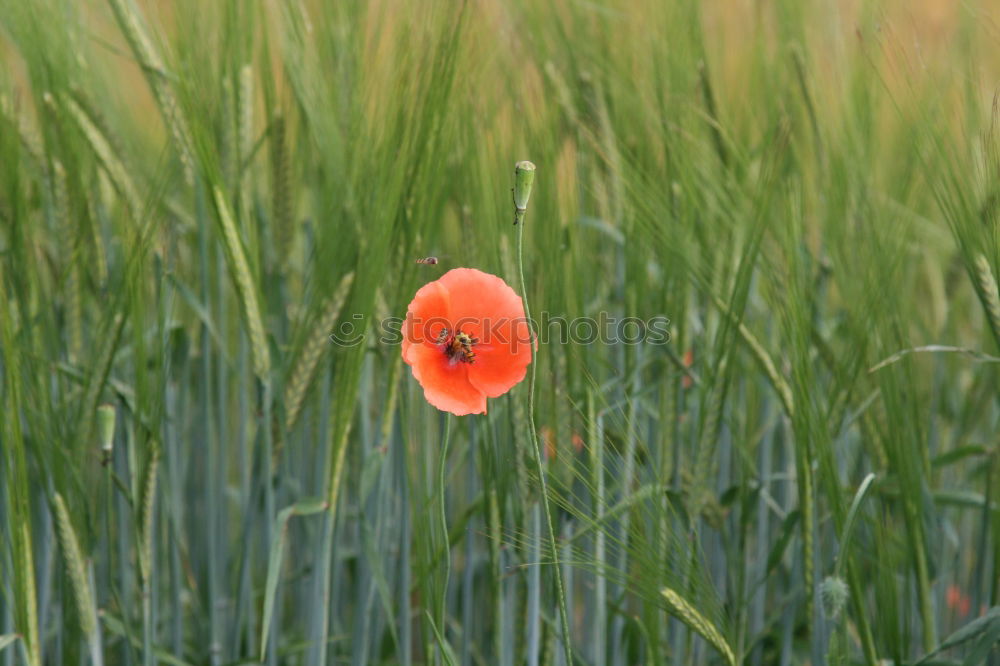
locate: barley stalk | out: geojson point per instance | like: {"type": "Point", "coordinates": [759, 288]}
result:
{"type": "Point", "coordinates": [113, 166]}
{"type": "Point", "coordinates": [17, 495]}
{"type": "Point", "coordinates": [30, 141]}
{"type": "Point", "coordinates": [153, 66]}
{"type": "Point", "coordinates": [75, 566]}
{"type": "Point", "coordinates": [710, 438]}
{"type": "Point", "coordinates": [27, 565]}
{"type": "Point", "coordinates": [305, 364]}
{"type": "Point", "coordinates": [240, 272]}
{"type": "Point", "coordinates": [146, 527]}
{"type": "Point", "coordinates": [989, 293]}
{"type": "Point", "coordinates": [67, 234]}
{"type": "Point", "coordinates": [805, 483]}
{"type": "Point", "coordinates": [281, 196]}
{"type": "Point", "coordinates": [764, 359]}
{"type": "Point", "coordinates": [100, 255]}
{"type": "Point", "coordinates": [228, 150]}
{"type": "Point", "coordinates": [244, 139]}
{"type": "Point", "coordinates": [244, 131]}
{"type": "Point", "coordinates": [689, 615]}
{"type": "Point", "coordinates": [99, 374]}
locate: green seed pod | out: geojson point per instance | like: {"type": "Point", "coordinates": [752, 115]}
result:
{"type": "Point", "coordinates": [524, 177]}
{"type": "Point", "coordinates": [106, 427]}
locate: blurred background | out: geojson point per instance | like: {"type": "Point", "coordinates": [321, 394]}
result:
{"type": "Point", "coordinates": [195, 196]}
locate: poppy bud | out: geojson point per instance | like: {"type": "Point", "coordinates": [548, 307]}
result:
{"type": "Point", "coordinates": [106, 428]}
{"type": "Point", "coordinates": [524, 176]}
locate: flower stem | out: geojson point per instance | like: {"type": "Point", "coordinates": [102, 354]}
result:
{"type": "Point", "coordinates": [524, 174]}
{"type": "Point", "coordinates": [444, 525]}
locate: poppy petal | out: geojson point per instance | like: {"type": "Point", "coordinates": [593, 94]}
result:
{"type": "Point", "coordinates": [426, 316]}
{"type": "Point", "coordinates": [478, 301]}
{"type": "Point", "coordinates": [446, 384]}
{"type": "Point", "coordinates": [503, 361]}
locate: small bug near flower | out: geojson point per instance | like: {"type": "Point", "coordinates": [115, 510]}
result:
{"type": "Point", "coordinates": [430, 261]}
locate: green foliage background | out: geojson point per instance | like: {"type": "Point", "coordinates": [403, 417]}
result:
{"type": "Point", "coordinates": [195, 195]}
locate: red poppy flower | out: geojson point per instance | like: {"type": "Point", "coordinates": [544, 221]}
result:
{"type": "Point", "coordinates": [686, 380]}
{"type": "Point", "coordinates": [957, 600]}
{"type": "Point", "coordinates": [466, 339]}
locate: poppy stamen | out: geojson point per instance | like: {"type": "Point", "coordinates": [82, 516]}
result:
{"type": "Point", "coordinates": [457, 347]}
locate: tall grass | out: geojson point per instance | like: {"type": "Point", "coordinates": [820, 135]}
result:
{"type": "Point", "coordinates": [198, 200]}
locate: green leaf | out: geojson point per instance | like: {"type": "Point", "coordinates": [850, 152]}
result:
{"type": "Point", "coordinates": [957, 454]}
{"type": "Point", "coordinates": [6, 640]}
{"type": "Point", "coordinates": [852, 517]}
{"type": "Point", "coordinates": [983, 633]}
{"type": "Point", "coordinates": [443, 645]}
{"type": "Point", "coordinates": [778, 549]}
{"type": "Point", "coordinates": [117, 627]}
{"type": "Point", "coordinates": [302, 508]}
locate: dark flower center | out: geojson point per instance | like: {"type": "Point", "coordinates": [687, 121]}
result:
{"type": "Point", "coordinates": [457, 346]}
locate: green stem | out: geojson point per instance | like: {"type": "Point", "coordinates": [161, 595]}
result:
{"type": "Point", "coordinates": [553, 543]}
{"type": "Point", "coordinates": [326, 553]}
{"type": "Point", "coordinates": [269, 503]}
{"type": "Point", "coordinates": [444, 526]}
{"type": "Point", "coordinates": [924, 591]}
